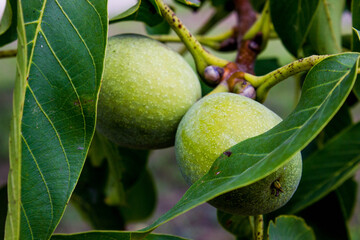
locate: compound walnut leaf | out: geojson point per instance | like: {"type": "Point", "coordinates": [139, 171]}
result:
{"type": "Point", "coordinates": [60, 63]}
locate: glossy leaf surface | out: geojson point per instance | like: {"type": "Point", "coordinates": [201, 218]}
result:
{"type": "Point", "coordinates": [62, 64]}
{"type": "Point", "coordinates": [290, 227]}
{"type": "Point", "coordinates": [325, 32]}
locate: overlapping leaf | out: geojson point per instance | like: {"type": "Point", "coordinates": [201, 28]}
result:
{"type": "Point", "coordinates": [325, 89]}
{"type": "Point", "coordinates": [327, 22]}
{"type": "Point", "coordinates": [292, 21]}
{"type": "Point", "coordinates": [327, 169]}
{"type": "Point", "coordinates": [60, 64]}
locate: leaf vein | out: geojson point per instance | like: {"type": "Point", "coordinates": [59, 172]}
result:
{"type": "Point", "coordinates": [42, 177]}
{"type": "Point", "coordinates": [56, 132]}
{"type": "Point", "coordinates": [27, 220]}
{"type": "Point", "coordinates": [72, 84]}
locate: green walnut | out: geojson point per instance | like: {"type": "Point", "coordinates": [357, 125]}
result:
{"type": "Point", "coordinates": [216, 123]}
{"type": "Point", "coordinates": [146, 90]}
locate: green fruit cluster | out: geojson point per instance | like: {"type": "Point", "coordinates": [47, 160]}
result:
{"type": "Point", "coordinates": [148, 88]}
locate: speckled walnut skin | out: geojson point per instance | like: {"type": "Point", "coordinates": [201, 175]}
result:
{"type": "Point", "coordinates": [146, 90]}
{"type": "Point", "coordinates": [214, 124]}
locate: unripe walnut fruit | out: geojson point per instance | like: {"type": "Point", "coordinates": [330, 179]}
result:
{"type": "Point", "coordinates": [216, 123]}
{"type": "Point", "coordinates": [146, 89]}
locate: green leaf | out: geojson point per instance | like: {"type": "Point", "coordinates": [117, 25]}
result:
{"type": "Point", "coordinates": [325, 89]}
{"type": "Point", "coordinates": [338, 123]}
{"type": "Point", "coordinates": [325, 32]}
{"type": "Point", "coordinates": [3, 210]}
{"type": "Point", "coordinates": [325, 217]}
{"type": "Point", "coordinates": [8, 23]}
{"type": "Point", "coordinates": [236, 224]}
{"type": "Point", "coordinates": [290, 227]}
{"type": "Point", "coordinates": [89, 195]}
{"type": "Point", "coordinates": [145, 11]}
{"type": "Point", "coordinates": [140, 199]}
{"type": "Point", "coordinates": [347, 194]}
{"type": "Point", "coordinates": [195, 3]}
{"type": "Point", "coordinates": [60, 64]}
{"type": "Point", "coordinates": [327, 169]}
{"type": "Point", "coordinates": [292, 21]}
{"type": "Point", "coordinates": [112, 236]}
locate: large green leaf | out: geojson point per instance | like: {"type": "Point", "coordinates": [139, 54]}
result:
{"type": "Point", "coordinates": [8, 23]}
{"type": "Point", "coordinates": [325, 89]}
{"type": "Point", "coordinates": [62, 52]}
{"type": "Point", "coordinates": [325, 32]}
{"type": "Point", "coordinates": [112, 236]}
{"type": "Point", "coordinates": [327, 169]}
{"type": "Point", "coordinates": [292, 21]}
{"type": "Point", "coordinates": [290, 227]}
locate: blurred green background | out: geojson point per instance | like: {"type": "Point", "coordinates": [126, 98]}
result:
{"type": "Point", "coordinates": [199, 223]}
